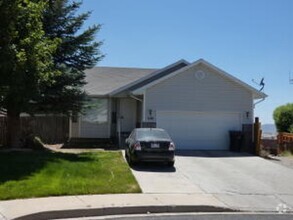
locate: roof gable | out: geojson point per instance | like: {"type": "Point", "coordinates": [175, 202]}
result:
{"type": "Point", "coordinates": [256, 94]}
{"type": "Point", "coordinates": [152, 77]}
{"type": "Point", "coordinates": [111, 81]}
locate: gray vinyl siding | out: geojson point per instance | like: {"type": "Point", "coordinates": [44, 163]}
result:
{"type": "Point", "coordinates": [184, 92]}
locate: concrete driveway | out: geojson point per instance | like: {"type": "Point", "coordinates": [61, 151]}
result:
{"type": "Point", "coordinates": [238, 180]}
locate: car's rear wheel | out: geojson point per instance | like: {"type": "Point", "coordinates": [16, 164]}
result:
{"type": "Point", "coordinates": [128, 158]}
{"type": "Point", "coordinates": [171, 163]}
{"type": "Point", "coordinates": [131, 162]}
{"type": "Point", "coordinates": [126, 155]}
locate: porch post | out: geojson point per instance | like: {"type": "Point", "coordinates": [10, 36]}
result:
{"type": "Point", "coordinates": [119, 122]}
{"type": "Point", "coordinates": [70, 128]}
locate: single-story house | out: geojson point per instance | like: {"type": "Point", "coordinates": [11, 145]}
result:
{"type": "Point", "coordinates": [197, 103]}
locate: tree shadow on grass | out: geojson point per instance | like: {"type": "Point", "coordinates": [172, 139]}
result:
{"type": "Point", "coordinates": [16, 165]}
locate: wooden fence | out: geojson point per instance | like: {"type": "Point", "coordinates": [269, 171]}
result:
{"type": "Point", "coordinates": [51, 129]}
{"type": "Point", "coordinates": [3, 127]}
{"type": "Point", "coordinates": [285, 142]}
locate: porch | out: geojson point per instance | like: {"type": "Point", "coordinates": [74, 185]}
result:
{"type": "Point", "coordinates": [108, 118]}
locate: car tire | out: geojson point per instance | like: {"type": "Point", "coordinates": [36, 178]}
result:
{"type": "Point", "coordinates": [131, 162]}
{"type": "Point", "coordinates": [171, 163]}
{"type": "Point", "coordinates": [128, 159]}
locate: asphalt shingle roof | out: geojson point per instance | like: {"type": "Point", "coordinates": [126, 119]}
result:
{"type": "Point", "coordinates": [104, 80]}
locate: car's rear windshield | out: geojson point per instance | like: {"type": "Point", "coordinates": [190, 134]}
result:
{"type": "Point", "coordinates": [152, 134]}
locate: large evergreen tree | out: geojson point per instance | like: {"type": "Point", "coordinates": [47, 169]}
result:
{"type": "Point", "coordinates": [78, 51]}
{"type": "Point", "coordinates": [25, 60]}
{"type": "Point", "coordinates": [43, 55]}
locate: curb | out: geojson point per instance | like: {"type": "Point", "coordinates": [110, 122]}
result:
{"type": "Point", "coordinates": [77, 213]}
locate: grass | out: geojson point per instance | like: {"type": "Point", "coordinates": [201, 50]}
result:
{"type": "Point", "coordinates": [41, 174]}
{"type": "Point", "coordinates": [286, 153]}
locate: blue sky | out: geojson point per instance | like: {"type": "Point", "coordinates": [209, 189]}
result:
{"type": "Point", "coordinates": [249, 39]}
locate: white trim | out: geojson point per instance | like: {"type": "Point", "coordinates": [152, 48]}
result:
{"type": "Point", "coordinates": [109, 117]}
{"type": "Point", "coordinates": [251, 112]}
{"type": "Point", "coordinates": [79, 124]}
{"type": "Point", "coordinates": [121, 89]}
{"type": "Point", "coordinates": [143, 107]}
{"type": "Point", "coordinates": [118, 124]}
{"type": "Point", "coordinates": [256, 94]}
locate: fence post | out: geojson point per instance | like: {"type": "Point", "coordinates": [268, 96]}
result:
{"type": "Point", "coordinates": [257, 136]}
{"type": "Point", "coordinates": [280, 142]}
{"type": "Point", "coordinates": [3, 129]}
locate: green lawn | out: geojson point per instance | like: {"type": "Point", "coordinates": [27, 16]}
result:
{"type": "Point", "coordinates": [286, 153]}
{"type": "Point", "coordinates": [39, 174]}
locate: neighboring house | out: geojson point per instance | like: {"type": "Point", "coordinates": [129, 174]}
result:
{"type": "Point", "coordinates": [197, 103]}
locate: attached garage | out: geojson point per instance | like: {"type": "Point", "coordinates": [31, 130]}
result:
{"type": "Point", "coordinates": [199, 130]}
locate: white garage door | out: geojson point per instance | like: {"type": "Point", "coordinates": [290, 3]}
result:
{"type": "Point", "coordinates": [194, 130]}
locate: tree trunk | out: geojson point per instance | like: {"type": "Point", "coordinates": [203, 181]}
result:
{"type": "Point", "coordinates": [13, 130]}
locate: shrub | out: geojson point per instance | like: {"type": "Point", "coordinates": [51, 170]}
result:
{"type": "Point", "coordinates": [283, 116]}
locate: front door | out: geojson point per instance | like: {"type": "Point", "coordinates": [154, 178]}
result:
{"type": "Point", "coordinates": [127, 114]}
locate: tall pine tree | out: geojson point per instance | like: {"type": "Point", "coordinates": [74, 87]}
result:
{"type": "Point", "coordinates": [78, 51]}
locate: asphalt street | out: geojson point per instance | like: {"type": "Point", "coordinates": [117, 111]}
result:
{"type": "Point", "coordinates": [196, 216]}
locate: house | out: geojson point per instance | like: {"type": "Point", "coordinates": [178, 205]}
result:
{"type": "Point", "coordinates": [197, 103]}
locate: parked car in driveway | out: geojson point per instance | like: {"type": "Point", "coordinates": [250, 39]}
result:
{"type": "Point", "coordinates": [150, 144]}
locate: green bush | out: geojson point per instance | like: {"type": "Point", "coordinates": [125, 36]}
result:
{"type": "Point", "coordinates": [283, 116]}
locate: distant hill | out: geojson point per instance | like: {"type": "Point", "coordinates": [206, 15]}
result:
{"type": "Point", "coordinates": [269, 129]}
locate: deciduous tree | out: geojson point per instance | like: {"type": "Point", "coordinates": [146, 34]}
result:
{"type": "Point", "coordinates": [26, 61]}
{"type": "Point", "coordinates": [283, 116]}
{"type": "Point", "coordinates": [43, 55]}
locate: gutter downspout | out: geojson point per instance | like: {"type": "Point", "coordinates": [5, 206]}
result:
{"type": "Point", "coordinates": [254, 104]}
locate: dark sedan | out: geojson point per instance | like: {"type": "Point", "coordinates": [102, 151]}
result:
{"type": "Point", "coordinates": [150, 144]}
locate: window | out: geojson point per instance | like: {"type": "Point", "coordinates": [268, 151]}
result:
{"type": "Point", "coordinates": [152, 134]}
{"type": "Point", "coordinates": [96, 111]}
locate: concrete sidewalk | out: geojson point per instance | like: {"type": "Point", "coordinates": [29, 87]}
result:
{"type": "Point", "coordinates": [88, 205]}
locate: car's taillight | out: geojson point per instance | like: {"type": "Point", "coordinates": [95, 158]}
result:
{"type": "Point", "coordinates": [137, 146]}
{"type": "Point", "coordinates": [171, 146]}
